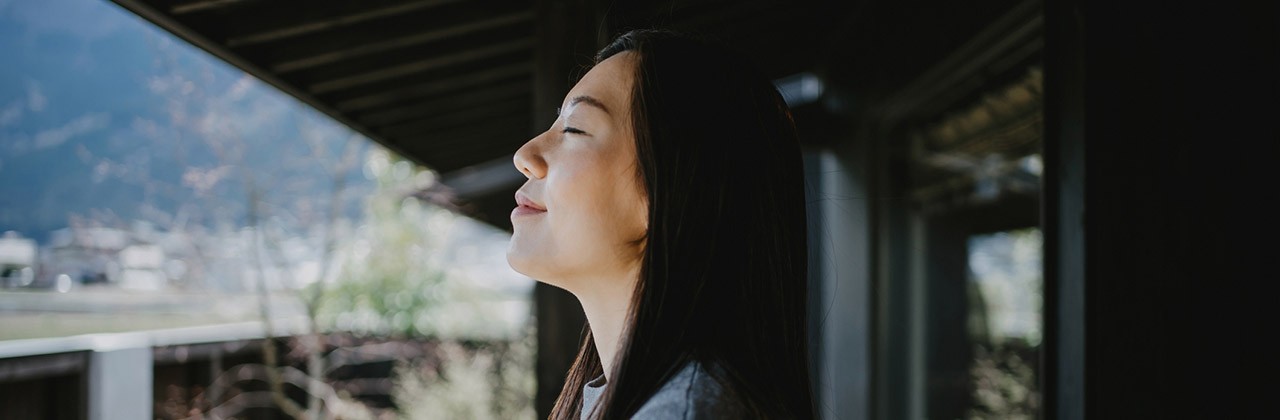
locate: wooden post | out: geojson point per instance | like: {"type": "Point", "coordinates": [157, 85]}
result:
{"type": "Point", "coordinates": [1062, 215]}
{"type": "Point", "coordinates": [1161, 145]}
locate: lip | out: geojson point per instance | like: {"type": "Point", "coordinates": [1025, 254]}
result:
{"type": "Point", "coordinates": [526, 206]}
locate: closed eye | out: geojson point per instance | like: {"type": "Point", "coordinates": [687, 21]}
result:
{"type": "Point", "coordinates": [571, 130]}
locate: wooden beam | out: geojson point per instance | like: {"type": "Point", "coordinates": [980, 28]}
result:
{"type": "Point", "coordinates": [484, 178]}
{"type": "Point", "coordinates": [456, 101]}
{"type": "Point", "coordinates": [457, 118]}
{"type": "Point", "coordinates": [329, 23]}
{"type": "Point", "coordinates": [469, 151]}
{"type": "Point", "coordinates": [418, 66]}
{"type": "Point", "coordinates": [400, 42]}
{"type": "Point", "coordinates": [200, 6]}
{"type": "Point", "coordinates": [476, 135]}
{"type": "Point", "coordinates": [434, 87]}
{"type": "Point", "coordinates": [1018, 32]}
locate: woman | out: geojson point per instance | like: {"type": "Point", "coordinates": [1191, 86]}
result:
{"type": "Point", "coordinates": [668, 198]}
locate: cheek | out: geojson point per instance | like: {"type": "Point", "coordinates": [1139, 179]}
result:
{"type": "Point", "coordinates": [583, 193]}
{"type": "Point", "coordinates": [597, 211]}
{"type": "Point", "coordinates": [631, 209]}
{"type": "Point", "coordinates": [604, 211]}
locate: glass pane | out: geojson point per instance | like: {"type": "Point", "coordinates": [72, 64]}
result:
{"type": "Point", "coordinates": [1006, 280]}
{"type": "Point", "coordinates": [974, 288]}
{"type": "Point", "coordinates": [147, 187]}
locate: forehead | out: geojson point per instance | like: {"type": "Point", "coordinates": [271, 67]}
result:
{"type": "Point", "coordinates": [609, 82]}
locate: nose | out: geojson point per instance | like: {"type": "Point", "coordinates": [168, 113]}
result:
{"type": "Point", "coordinates": [528, 159]}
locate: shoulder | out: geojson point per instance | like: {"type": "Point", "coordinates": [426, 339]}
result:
{"type": "Point", "coordinates": [692, 394]}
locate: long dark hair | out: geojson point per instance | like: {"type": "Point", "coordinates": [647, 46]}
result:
{"type": "Point", "coordinates": [723, 276]}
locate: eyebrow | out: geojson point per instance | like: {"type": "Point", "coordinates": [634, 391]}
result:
{"type": "Point", "coordinates": [586, 100]}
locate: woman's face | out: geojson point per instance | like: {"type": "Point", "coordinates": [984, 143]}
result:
{"type": "Point", "coordinates": [583, 210]}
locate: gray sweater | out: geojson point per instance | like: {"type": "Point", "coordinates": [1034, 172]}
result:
{"type": "Point", "coordinates": [691, 394]}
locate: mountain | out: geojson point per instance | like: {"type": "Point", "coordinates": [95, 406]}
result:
{"type": "Point", "coordinates": [105, 119]}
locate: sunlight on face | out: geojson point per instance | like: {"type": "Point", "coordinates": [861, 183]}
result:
{"type": "Point", "coordinates": [582, 172]}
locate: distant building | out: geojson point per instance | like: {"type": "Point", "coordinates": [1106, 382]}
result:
{"type": "Point", "coordinates": [142, 267]}
{"type": "Point", "coordinates": [101, 255]}
{"type": "Point", "coordinates": [86, 255]}
{"type": "Point", "coordinates": [17, 260]}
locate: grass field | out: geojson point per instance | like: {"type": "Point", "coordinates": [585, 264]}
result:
{"type": "Point", "coordinates": [41, 314]}
{"type": "Point", "coordinates": [18, 326]}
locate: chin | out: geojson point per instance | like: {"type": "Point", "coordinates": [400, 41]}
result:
{"type": "Point", "coordinates": [516, 259]}
{"type": "Point", "coordinates": [524, 262]}
{"type": "Point", "coordinates": [532, 266]}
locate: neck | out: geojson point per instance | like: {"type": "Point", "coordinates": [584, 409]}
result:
{"type": "Point", "coordinates": [606, 308]}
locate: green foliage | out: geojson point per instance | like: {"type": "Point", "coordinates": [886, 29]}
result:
{"type": "Point", "coordinates": [491, 382]}
{"type": "Point", "coordinates": [396, 280]}
{"type": "Point", "coordinates": [388, 285]}
{"type": "Point", "coordinates": [1005, 301]}
{"type": "Point", "coordinates": [1004, 381]}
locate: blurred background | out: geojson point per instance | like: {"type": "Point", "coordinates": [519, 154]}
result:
{"type": "Point", "coordinates": [156, 196]}
{"type": "Point", "coordinates": [284, 209]}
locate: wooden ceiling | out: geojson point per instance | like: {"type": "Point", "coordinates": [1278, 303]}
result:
{"type": "Point", "coordinates": [454, 84]}
{"type": "Point", "coordinates": [444, 82]}
{"type": "Point", "coordinates": [449, 83]}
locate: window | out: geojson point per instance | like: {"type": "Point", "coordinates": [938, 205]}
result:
{"type": "Point", "coordinates": [1005, 283]}
{"type": "Point", "coordinates": [961, 295]}
{"type": "Point", "coordinates": [148, 187]}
